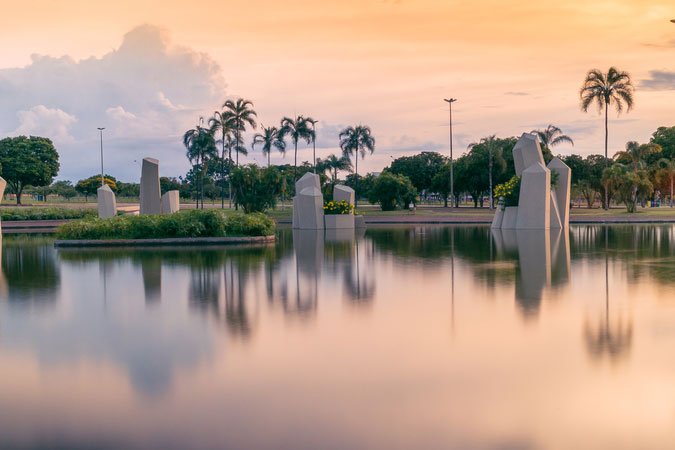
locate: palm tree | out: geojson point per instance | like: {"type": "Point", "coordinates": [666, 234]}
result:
{"type": "Point", "coordinates": [637, 153]}
{"type": "Point", "coordinates": [552, 136]}
{"type": "Point", "coordinates": [313, 122]}
{"type": "Point", "coordinates": [239, 113]}
{"type": "Point", "coordinates": [614, 87]}
{"type": "Point", "coordinates": [220, 122]}
{"type": "Point", "coordinates": [666, 169]}
{"type": "Point", "coordinates": [333, 164]}
{"type": "Point", "coordinates": [297, 129]}
{"type": "Point", "coordinates": [355, 140]}
{"type": "Point", "coordinates": [201, 147]}
{"type": "Point", "coordinates": [269, 138]}
{"type": "Point", "coordinates": [489, 142]}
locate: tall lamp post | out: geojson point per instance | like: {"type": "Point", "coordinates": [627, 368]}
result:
{"type": "Point", "coordinates": [100, 129]}
{"type": "Point", "coordinates": [452, 178]}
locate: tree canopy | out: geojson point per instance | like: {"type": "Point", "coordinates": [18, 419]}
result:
{"type": "Point", "coordinates": [28, 161]}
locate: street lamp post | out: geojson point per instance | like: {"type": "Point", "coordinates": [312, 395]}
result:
{"type": "Point", "coordinates": [452, 178]}
{"type": "Point", "coordinates": [100, 129]}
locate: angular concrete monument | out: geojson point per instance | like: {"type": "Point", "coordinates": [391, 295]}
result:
{"type": "Point", "coordinates": [307, 180]}
{"type": "Point", "coordinates": [3, 185]}
{"type": "Point", "coordinates": [343, 193]}
{"type": "Point", "coordinates": [539, 206]}
{"type": "Point", "coordinates": [526, 152]}
{"type": "Point", "coordinates": [150, 191]}
{"type": "Point", "coordinates": [170, 202]}
{"type": "Point", "coordinates": [534, 202]}
{"type": "Point", "coordinates": [107, 205]}
{"type": "Point", "coordinates": [562, 190]}
{"type": "Point", "coordinates": [308, 208]}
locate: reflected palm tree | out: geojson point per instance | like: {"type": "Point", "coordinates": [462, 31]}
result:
{"type": "Point", "coordinates": [236, 313]}
{"type": "Point", "coordinates": [203, 290]}
{"type": "Point", "coordinates": [358, 275]}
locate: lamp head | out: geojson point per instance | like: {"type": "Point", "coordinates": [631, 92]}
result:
{"type": "Point", "coordinates": [450, 100]}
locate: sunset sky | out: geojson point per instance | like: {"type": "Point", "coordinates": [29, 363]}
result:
{"type": "Point", "coordinates": [146, 70]}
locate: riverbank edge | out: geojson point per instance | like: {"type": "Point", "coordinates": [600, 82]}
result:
{"type": "Point", "coordinates": [238, 240]}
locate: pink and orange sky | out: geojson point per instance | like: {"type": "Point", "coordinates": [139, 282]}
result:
{"type": "Point", "coordinates": [146, 70]}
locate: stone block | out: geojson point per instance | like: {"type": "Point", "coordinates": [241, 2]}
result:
{"type": "Point", "coordinates": [343, 193]}
{"type": "Point", "coordinates": [510, 218]}
{"type": "Point", "coordinates": [562, 190]}
{"type": "Point", "coordinates": [499, 215]}
{"type": "Point", "coordinates": [307, 180]}
{"type": "Point", "coordinates": [107, 205]}
{"type": "Point", "coordinates": [534, 202]}
{"type": "Point", "coordinates": [308, 209]}
{"type": "Point", "coordinates": [150, 190]}
{"type": "Point", "coordinates": [170, 202]}
{"type": "Point", "coordinates": [334, 221]}
{"type": "Point", "coordinates": [555, 215]}
{"type": "Point", "coordinates": [359, 221]}
{"type": "Point", "coordinates": [526, 152]}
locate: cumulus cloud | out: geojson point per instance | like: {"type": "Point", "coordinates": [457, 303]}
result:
{"type": "Point", "coordinates": [659, 80]}
{"type": "Point", "coordinates": [40, 120]}
{"type": "Point", "coordinates": [146, 93]}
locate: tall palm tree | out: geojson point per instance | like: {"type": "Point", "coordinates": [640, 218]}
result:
{"type": "Point", "coordinates": [637, 153]}
{"type": "Point", "coordinates": [333, 164]}
{"type": "Point", "coordinates": [296, 129]}
{"type": "Point", "coordinates": [313, 123]}
{"type": "Point", "coordinates": [201, 147]}
{"type": "Point", "coordinates": [269, 138]}
{"type": "Point", "coordinates": [239, 113]}
{"type": "Point", "coordinates": [615, 87]}
{"type": "Point", "coordinates": [355, 140]}
{"type": "Point", "coordinates": [552, 136]}
{"type": "Point", "coordinates": [220, 122]}
{"type": "Point", "coordinates": [492, 145]}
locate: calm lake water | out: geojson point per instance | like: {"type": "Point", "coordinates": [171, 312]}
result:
{"type": "Point", "coordinates": [422, 337]}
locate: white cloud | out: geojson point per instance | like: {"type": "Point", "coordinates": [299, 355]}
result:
{"type": "Point", "coordinates": [146, 94]}
{"type": "Point", "coordinates": [42, 121]}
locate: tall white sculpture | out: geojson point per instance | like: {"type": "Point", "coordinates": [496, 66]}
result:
{"type": "Point", "coordinates": [107, 205]}
{"type": "Point", "coordinates": [539, 207]}
{"type": "Point", "coordinates": [3, 185]}
{"type": "Point", "coordinates": [343, 193]}
{"type": "Point", "coordinates": [308, 203]}
{"type": "Point", "coordinates": [170, 202]}
{"type": "Point", "coordinates": [150, 190]}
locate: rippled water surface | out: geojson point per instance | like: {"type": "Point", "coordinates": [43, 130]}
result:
{"type": "Point", "coordinates": [402, 338]}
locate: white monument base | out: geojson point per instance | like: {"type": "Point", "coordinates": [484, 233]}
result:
{"type": "Point", "coordinates": [334, 221]}
{"type": "Point", "coordinates": [107, 205]}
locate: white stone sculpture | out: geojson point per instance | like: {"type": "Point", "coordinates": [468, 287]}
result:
{"type": "Point", "coordinates": [3, 185]}
{"type": "Point", "coordinates": [170, 202]}
{"type": "Point", "coordinates": [343, 193]}
{"type": "Point", "coordinates": [562, 189]}
{"type": "Point", "coordinates": [534, 202]}
{"type": "Point", "coordinates": [359, 221]}
{"type": "Point", "coordinates": [150, 190]}
{"type": "Point", "coordinates": [309, 207]}
{"type": "Point", "coordinates": [107, 205]}
{"type": "Point", "coordinates": [539, 206]}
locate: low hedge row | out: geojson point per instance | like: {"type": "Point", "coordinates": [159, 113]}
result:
{"type": "Point", "coordinates": [185, 224]}
{"type": "Point", "coordinates": [14, 214]}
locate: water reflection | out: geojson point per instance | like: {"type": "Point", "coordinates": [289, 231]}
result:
{"type": "Point", "coordinates": [191, 346]}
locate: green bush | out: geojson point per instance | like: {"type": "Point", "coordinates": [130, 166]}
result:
{"type": "Point", "coordinates": [255, 189]}
{"type": "Point", "coordinates": [391, 190]}
{"type": "Point", "coordinates": [254, 224]}
{"type": "Point", "coordinates": [14, 214]}
{"type": "Point", "coordinates": [187, 224]}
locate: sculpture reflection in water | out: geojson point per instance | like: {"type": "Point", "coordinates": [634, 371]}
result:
{"type": "Point", "coordinates": [543, 261]}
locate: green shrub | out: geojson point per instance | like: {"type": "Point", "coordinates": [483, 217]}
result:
{"type": "Point", "coordinates": [194, 223]}
{"type": "Point", "coordinates": [254, 224]}
{"type": "Point", "coordinates": [14, 214]}
{"type": "Point", "coordinates": [255, 189]}
{"type": "Point", "coordinates": [391, 190]}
